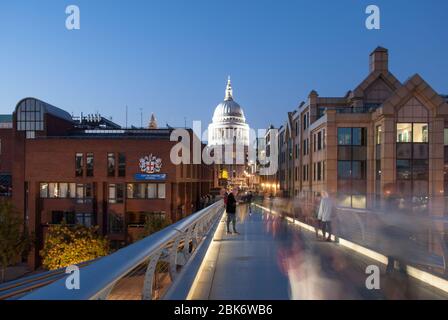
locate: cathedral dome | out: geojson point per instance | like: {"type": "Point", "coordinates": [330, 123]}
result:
{"type": "Point", "coordinates": [229, 110]}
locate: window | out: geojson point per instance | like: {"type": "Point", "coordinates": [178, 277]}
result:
{"type": "Point", "coordinates": [140, 191]}
{"type": "Point", "coordinates": [319, 171]}
{"type": "Point", "coordinates": [44, 190]}
{"type": "Point", "coordinates": [344, 169]}
{"type": "Point", "coordinates": [63, 190]}
{"type": "Point", "coordinates": [121, 165]}
{"type": "Point", "coordinates": [111, 165]}
{"type": "Point", "coordinates": [344, 136]}
{"type": "Point", "coordinates": [305, 173]}
{"type": "Point", "coordinates": [378, 135]}
{"type": "Point", "coordinates": [79, 165]}
{"type": "Point", "coordinates": [53, 190]}
{"type": "Point", "coordinates": [152, 191]}
{"type": "Point", "coordinates": [358, 170]}
{"type": "Point", "coordinates": [89, 165]}
{"type": "Point", "coordinates": [161, 190]}
{"type": "Point", "coordinates": [420, 169]}
{"type": "Point", "coordinates": [130, 191]}
{"type": "Point", "coordinates": [30, 116]}
{"type": "Point", "coordinates": [116, 193]}
{"type": "Point", "coordinates": [72, 190]}
{"type": "Point", "coordinates": [408, 132]}
{"type": "Point", "coordinates": [445, 136]}
{"type": "Point", "coordinates": [319, 140]}
{"type": "Point", "coordinates": [404, 132]}
{"type": "Point", "coordinates": [72, 218]}
{"type": "Point", "coordinates": [85, 219]}
{"type": "Point", "coordinates": [420, 133]}
{"type": "Point", "coordinates": [146, 191]}
{"type": "Point", "coordinates": [412, 159]}
{"type": "Point", "coordinates": [323, 170]}
{"type": "Point", "coordinates": [324, 139]}
{"type": "Point", "coordinates": [352, 136]}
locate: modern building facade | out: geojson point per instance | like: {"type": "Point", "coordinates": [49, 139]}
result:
{"type": "Point", "coordinates": [90, 171]}
{"type": "Point", "coordinates": [382, 140]}
{"type": "Point", "coordinates": [230, 132]}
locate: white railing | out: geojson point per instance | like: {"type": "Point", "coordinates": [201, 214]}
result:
{"type": "Point", "coordinates": [143, 270]}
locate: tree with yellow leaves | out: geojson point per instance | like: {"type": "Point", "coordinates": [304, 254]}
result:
{"type": "Point", "coordinates": [66, 245]}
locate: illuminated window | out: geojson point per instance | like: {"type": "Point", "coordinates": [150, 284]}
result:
{"type": "Point", "coordinates": [116, 193]}
{"type": "Point", "coordinates": [111, 165]}
{"type": "Point", "coordinates": [152, 191]}
{"type": "Point", "coordinates": [79, 163]}
{"type": "Point", "coordinates": [420, 133]}
{"type": "Point", "coordinates": [89, 165]}
{"type": "Point", "coordinates": [404, 132]}
{"type": "Point", "coordinates": [379, 130]}
{"type": "Point", "coordinates": [44, 190]}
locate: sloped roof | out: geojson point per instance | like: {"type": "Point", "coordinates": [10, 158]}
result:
{"type": "Point", "coordinates": [50, 109]}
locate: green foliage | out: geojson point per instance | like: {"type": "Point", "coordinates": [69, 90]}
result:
{"type": "Point", "coordinates": [66, 245]}
{"type": "Point", "coordinates": [155, 222]}
{"type": "Point", "coordinates": [14, 239]}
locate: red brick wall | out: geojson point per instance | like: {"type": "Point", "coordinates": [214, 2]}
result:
{"type": "Point", "coordinates": [6, 137]}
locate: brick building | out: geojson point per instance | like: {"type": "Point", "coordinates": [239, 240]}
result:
{"type": "Point", "coordinates": [380, 140]}
{"type": "Point", "coordinates": [6, 132]}
{"type": "Point", "coordinates": [92, 172]}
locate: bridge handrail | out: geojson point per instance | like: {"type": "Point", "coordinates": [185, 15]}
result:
{"type": "Point", "coordinates": [98, 279]}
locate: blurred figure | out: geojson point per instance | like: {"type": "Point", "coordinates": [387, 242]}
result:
{"type": "Point", "coordinates": [316, 222]}
{"type": "Point", "coordinates": [231, 211]}
{"type": "Point", "coordinates": [224, 195]}
{"type": "Point", "coordinates": [325, 214]}
{"type": "Point", "coordinates": [249, 201]}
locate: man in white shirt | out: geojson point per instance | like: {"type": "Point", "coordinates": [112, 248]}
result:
{"type": "Point", "coordinates": [325, 214]}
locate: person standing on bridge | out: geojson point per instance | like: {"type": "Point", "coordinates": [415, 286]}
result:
{"type": "Point", "coordinates": [249, 201]}
{"type": "Point", "coordinates": [231, 211]}
{"type": "Point", "coordinates": [325, 214]}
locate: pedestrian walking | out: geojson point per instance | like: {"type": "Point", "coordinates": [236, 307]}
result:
{"type": "Point", "coordinates": [315, 215]}
{"type": "Point", "coordinates": [325, 214]}
{"type": "Point", "coordinates": [249, 201]}
{"type": "Point", "coordinates": [231, 211]}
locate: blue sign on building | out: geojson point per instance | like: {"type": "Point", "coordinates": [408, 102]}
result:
{"type": "Point", "coordinates": [150, 176]}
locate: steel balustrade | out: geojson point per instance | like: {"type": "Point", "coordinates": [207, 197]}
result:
{"type": "Point", "coordinates": [135, 267]}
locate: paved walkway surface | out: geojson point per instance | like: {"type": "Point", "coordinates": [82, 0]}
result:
{"type": "Point", "coordinates": [272, 259]}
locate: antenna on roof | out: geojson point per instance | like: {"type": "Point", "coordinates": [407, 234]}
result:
{"type": "Point", "coordinates": [126, 126]}
{"type": "Point", "coordinates": [141, 118]}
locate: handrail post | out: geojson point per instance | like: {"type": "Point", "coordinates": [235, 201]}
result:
{"type": "Point", "coordinates": [149, 276]}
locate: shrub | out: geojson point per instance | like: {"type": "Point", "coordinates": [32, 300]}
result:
{"type": "Point", "coordinates": [66, 245]}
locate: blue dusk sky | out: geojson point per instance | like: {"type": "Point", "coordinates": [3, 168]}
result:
{"type": "Point", "coordinates": [173, 57]}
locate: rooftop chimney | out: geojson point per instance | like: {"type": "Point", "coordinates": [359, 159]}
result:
{"type": "Point", "coordinates": [379, 60]}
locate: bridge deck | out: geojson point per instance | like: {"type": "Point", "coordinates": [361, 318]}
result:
{"type": "Point", "coordinates": [271, 259]}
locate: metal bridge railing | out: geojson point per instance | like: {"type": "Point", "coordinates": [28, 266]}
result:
{"type": "Point", "coordinates": [141, 271]}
